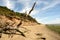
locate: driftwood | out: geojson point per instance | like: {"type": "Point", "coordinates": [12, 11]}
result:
{"type": "Point", "coordinates": [31, 9]}
{"type": "Point", "coordinates": [8, 30]}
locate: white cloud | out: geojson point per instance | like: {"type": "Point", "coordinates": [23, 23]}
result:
{"type": "Point", "coordinates": [34, 12]}
{"type": "Point", "coordinates": [49, 5]}
{"type": "Point", "coordinates": [44, 20]}
{"type": "Point", "coordinates": [27, 5]}
{"type": "Point", "coordinates": [9, 4]}
{"type": "Point", "coordinates": [41, 20]}
{"type": "Point", "coordinates": [55, 21]}
{"type": "Point", "coordinates": [41, 1]}
{"type": "Point", "coordinates": [25, 9]}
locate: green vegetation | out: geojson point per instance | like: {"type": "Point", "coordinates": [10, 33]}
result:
{"type": "Point", "coordinates": [7, 12]}
{"type": "Point", "coordinates": [55, 28]}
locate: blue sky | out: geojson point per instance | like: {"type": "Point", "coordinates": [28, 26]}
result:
{"type": "Point", "coordinates": [45, 12]}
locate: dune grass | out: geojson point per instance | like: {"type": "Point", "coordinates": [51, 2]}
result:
{"type": "Point", "coordinates": [8, 12]}
{"type": "Point", "coordinates": [55, 28]}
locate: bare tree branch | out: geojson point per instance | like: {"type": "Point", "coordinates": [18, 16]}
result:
{"type": "Point", "coordinates": [32, 8]}
{"type": "Point", "coordinates": [10, 31]}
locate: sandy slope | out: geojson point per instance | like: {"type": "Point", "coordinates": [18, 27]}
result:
{"type": "Point", "coordinates": [34, 33]}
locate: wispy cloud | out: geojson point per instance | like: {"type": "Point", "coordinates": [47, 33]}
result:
{"type": "Point", "coordinates": [49, 6]}
{"type": "Point", "coordinates": [41, 20]}
{"type": "Point", "coordinates": [9, 4]}
{"type": "Point", "coordinates": [55, 21]}
{"type": "Point", "coordinates": [27, 4]}
{"type": "Point", "coordinates": [53, 4]}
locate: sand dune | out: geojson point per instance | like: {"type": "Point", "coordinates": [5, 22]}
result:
{"type": "Point", "coordinates": [35, 32]}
